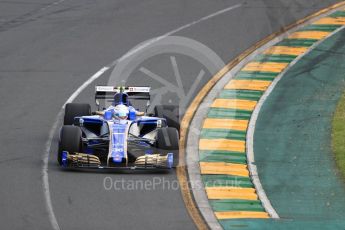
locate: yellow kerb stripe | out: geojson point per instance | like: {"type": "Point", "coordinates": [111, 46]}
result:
{"type": "Point", "coordinates": [222, 144]}
{"type": "Point", "coordinates": [286, 50]}
{"type": "Point", "coordinates": [309, 35]}
{"type": "Point", "coordinates": [211, 123]}
{"type": "Point", "coordinates": [274, 67]}
{"type": "Point", "coordinates": [234, 104]}
{"type": "Point", "coordinates": [241, 214]}
{"type": "Point", "coordinates": [224, 168]}
{"type": "Point", "coordinates": [248, 85]}
{"type": "Point", "coordinates": [330, 21]}
{"type": "Point", "coordinates": [231, 193]}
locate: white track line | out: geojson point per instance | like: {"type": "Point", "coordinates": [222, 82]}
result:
{"type": "Point", "coordinates": [45, 177]}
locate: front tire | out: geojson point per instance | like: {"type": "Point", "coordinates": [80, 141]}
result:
{"type": "Point", "coordinates": [73, 110]}
{"type": "Point", "coordinates": [70, 141]}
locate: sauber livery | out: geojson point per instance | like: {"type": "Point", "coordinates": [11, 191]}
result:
{"type": "Point", "coordinates": [120, 136]}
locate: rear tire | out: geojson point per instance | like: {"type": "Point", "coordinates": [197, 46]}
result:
{"type": "Point", "coordinates": [168, 141]}
{"type": "Point", "coordinates": [170, 113]}
{"type": "Point", "coordinates": [70, 140]}
{"type": "Point", "coordinates": [73, 110]}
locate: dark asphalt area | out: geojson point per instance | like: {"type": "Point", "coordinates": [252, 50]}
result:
{"type": "Point", "coordinates": [48, 49]}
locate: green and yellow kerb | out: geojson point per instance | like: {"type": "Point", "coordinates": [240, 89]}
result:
{"type": "Point", "coordinates": [222, 144]}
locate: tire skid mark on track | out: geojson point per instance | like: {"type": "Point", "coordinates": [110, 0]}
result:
{"type": "Point", "coordinates": [26, 17]}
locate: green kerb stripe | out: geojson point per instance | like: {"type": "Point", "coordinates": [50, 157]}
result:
{"type": "Point", "coordinates": [337, 14]}
{"type": "Point", "coordinates": [263, 76]}
{"type": "Point", "coordinates": [222, 156]}
{"type": "Point", "coordinates": [240, 94]}
{"type": "Point", "coordinates": [229, 113]}
{"type": "Point", "coordinates": [222, 134]}
{"type": "Point", "coordinates": [226, 181]}
{"type": "Point", "coordinates": [297, 42]}
{"type": "Point", "coordinates": [236, 205]}
{"type": "Point", "coordinates": [275, 58]}
{"type": "Point", "coordinates": [326, 28]}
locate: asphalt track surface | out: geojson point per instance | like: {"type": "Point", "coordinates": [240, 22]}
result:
{"type": "Point", "coordinates": [48, 49]}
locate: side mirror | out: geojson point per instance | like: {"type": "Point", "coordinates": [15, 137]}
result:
{"type": "Point", "coordinates": [108, 115]}
{"type": "Point", "coordinates": [132, 115]}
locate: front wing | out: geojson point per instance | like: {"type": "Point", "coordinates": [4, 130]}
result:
{"type": "Point", "coordinates": [147, 161]}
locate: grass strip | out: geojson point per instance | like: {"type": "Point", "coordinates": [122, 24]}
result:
{"type": "Point", "coordinates": [338, 135]}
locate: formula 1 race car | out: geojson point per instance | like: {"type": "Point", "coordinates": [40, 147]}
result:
{"type": "Point", "coordinates": [120, 136]}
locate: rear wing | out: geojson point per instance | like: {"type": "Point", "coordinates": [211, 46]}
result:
{"type": "Point", "coordinates": [134, 93]}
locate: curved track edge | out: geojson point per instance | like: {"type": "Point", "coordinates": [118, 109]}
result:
{"type": "Point", "coordinates": [228, 71]}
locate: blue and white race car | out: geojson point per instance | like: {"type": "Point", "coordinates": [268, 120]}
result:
{"type": "Point", "coordinates": [120, 136]}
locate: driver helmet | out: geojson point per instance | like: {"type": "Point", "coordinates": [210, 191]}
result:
{"type": "Point", "coordinates": [121, 112]}
{"type": "Point", "coordinates": [120, 98]}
